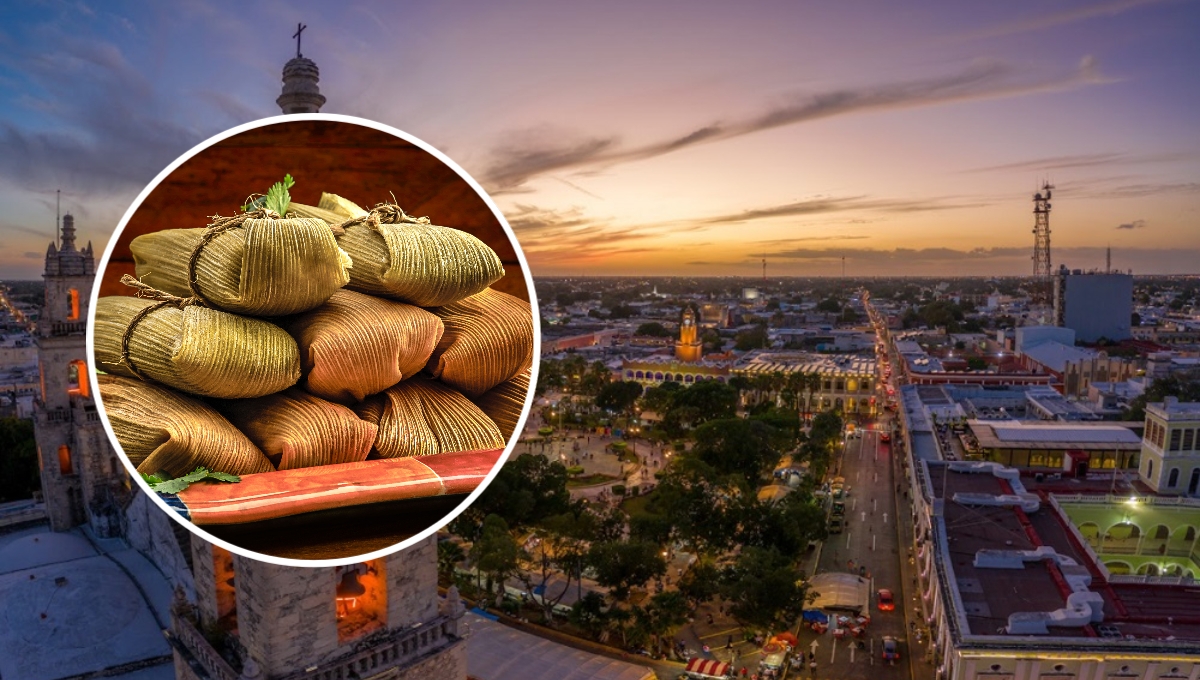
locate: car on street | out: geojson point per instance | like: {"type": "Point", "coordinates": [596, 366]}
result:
{"type": "Point", "coordinates": [885, 601]}
{"type": "Point", "coordinates": [885, 437]}
{"type": "Point", "coordinates": [839, 508]}
{"type": "Point", "coordinates": [835, 525]}
{"type": "Point", "coordinates": [891, 648]}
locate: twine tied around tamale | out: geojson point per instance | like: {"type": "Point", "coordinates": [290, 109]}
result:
{"type": "Point", "coordinates": [164, 300]}
{"type": "Point", "coordinates": [219, 226]}
{"type": "Point", "coordinates": [384, 213]}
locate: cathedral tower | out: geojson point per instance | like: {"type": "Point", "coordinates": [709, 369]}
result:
{"type": "Point", "coordinates": [300, 76]}
{"type": "Point", "coordinates": [688, 348]}
{"type": "Point", "coordinates": [82, 481]}
{"type": "Point", "coordinates": [380, 618]}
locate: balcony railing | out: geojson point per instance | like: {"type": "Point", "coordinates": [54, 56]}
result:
{"type": "Point", "coordinates": [201, 651]}
{"type": "Point", "coordinates": [68, 328]}
{"type": "Point", "coordinates": [372, 655]}
{"type": "Point", "coordinates": [391, 650]}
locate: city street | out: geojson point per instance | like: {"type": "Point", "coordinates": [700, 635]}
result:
{"type": "Point", "coordinates": [870, 544]}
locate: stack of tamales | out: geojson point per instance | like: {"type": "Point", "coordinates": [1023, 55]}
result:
{"type": "Point", "coordinates": [331, 336]}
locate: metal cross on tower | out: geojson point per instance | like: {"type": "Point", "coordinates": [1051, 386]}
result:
{"type": "Point", "coordinates": [299, 29]}
{"type": "Point", "coordinates": [1042, 272]}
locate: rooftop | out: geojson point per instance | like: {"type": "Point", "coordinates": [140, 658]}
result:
{"type": "Point", "coordinates": [1014, 557]}
{"type": "Point", "coordinates": [1023, 434]}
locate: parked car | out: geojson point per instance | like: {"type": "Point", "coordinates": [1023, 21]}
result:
{"type": "Point", "coordinates": [886, 602]}
{"type": "Point", "coordinates": [891, 648]}
{"type": "Point", "coordinates": [835, 525]}
{"type": "Point", "coordinates": [839, 508]}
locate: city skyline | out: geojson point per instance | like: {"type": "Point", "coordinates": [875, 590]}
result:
{"type": "Point", "coordinates": [647, 141]}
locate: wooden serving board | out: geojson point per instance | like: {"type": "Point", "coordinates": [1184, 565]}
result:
{"type": "Point", "coordinates": [336, 510]}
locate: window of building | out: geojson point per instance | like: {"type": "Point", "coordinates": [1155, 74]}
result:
{"type": "Point", "coordinates": [77, 380]}
{"type": "Point", "coordinates": [64, 460]}
{"type": "Point", "coordinates": [1149, 469]}
{"type": "Point", "coordinates": [1176, 439]}
{"type": "Point", "coordinates": [226, 589]}
{"type": "Point", "coordinates": [1188, 439]}
{"type": "Point", "coordinates": [1173, 478]}
{"type": "Point", "coordinates": [360, 599]}
{"type": "Point", "coordinates": [73, 305]}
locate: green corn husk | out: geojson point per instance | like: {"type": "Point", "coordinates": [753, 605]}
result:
{"type": "Point", "coordinates": [411, 260]}
{"type": "Point", "coordinates": [197, 350]}
{"type": "Point", "coordinates": [356, 345]}
{"type": "Point", "coordinates": [504, 402]}
{"type": "Point", "coordinates": [265, 267]}
{"type": "Point", "coordinates": [295, 429]}
{"type": "Point", "coordinates": [421, 417]}
{"type": "Point", "coordinates": [163, 432]}
{"type": "Point", "coordinates": [488, 339]}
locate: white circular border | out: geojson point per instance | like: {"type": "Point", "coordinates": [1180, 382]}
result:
{"type": "Point", "coordinates": [350, 120]}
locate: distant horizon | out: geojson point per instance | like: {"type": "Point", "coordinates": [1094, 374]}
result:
{"type": "Point", "coordinates": [907, 139]}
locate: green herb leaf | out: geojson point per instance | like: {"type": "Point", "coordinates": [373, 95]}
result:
{"type": "Point", "coordinates": [224, 477]}
{"type": "Point", "coordinates": [277, 197]}
{"type": "Point", "coordinates": [180, 483]}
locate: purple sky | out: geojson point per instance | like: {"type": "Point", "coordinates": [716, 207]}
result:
{"type": "Point", "coordinates": [661, 138]}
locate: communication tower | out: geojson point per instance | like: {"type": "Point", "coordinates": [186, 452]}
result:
{"type": "Point", "coordinates": [1042, 270]}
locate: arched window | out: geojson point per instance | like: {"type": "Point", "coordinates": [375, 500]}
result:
{"type": "Point", "coordinates": [1173, 478]}
{"type": "Point", "coordinates": [77, 380]}
{"type": "Point", "coordinates": [360, 599]}
{"type": "Point", "coordinates": [1149, 469]}
{"type": "Point", "coordinates": [73, 305]}
{"type": "Point", "coordinates": [64, 460]}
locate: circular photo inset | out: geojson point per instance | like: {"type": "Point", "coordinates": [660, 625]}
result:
{"type": "Point", "coordinates": [313, 339]}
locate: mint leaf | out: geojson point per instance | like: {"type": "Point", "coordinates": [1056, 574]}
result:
{"type": "Point", "coordinates": [178, 484]}
{"type": "Point", "coordinates": [224, 477]}
{"type": "Point", "coordinates": [277, 197]}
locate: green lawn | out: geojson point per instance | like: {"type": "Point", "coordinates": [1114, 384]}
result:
{"type": "Point", "coordinates": [639, 505]}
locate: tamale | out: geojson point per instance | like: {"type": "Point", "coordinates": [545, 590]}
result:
{"type": "Point", "coordinates": [421, 417]}
{"type": "Point", "coordinates": [504, 402]}
{"type": "Point", "coordinates": [195, 349]}
{"type": "Point", "coordinates": [408, 259]}
{"type": "Point", "coordinates": [355, 345]}
{"type": "Point", "coordinates": [166, 433]}
{"type": "Point", "coordinates": [261, 267]}
{"type": "Point", "coordinates": [488, 339]}
{"type": "Point", "coordinates": [295, 429]}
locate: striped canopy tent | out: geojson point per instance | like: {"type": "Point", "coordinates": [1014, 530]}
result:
{"type": "Point", "coordinates": [707, 668]}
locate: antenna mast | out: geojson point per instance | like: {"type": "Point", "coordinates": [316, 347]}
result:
{"type": "Point", "coordinates": [57, 217]}
{"type": "Point", "coordinates": [1042, 271]}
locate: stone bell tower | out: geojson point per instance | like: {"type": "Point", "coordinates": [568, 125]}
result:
{"type": "Point", "coordinates": [380, 618]}
{"type": "Point", "coordinates": [688, 348]}
{"type": "Point", "coordinates": [82, 481]}
{"type": "Point", "coordinates": [300, 75]}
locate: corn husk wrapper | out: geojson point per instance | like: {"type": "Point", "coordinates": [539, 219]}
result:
{"type": "Point", "coordinates": [356, 345]}
{"type": "Point", "coordinates": [295, 429]}
{"type": "Point", "coordinates": [265, 267]}
{"type": "Point", "coordinates": [504, 402]}
{"type": "Point", "coordinates": [197, 350]}
{"type": "Point", "coordinates": [414, 261]}
{"type": "Point", "coordinates": [421, 417]}
{"type": "Point", "coordinates": [164, 432]}
{"type": "Point", "coordinates": [488, 339]}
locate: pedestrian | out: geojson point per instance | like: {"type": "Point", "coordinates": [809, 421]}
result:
{"type": "Point", "coordinates": [710, 618]}
{"type": "Point", "coordinates": [729, 642]}
{"type": "Point", "coordinates": [812, 668]}
{"type": "Point", "coordinates": [742, 672]}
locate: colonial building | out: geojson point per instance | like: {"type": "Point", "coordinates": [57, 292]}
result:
{"type": "Point", "coordinates": [1171, 448]}
{"type": "Point", "coordinates": [688, 349]}
{"type": "Point", "coordinates": [82, 480]}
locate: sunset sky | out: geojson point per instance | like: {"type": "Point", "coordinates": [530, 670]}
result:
{"type": "Point", "coordinates": [660, 138]}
